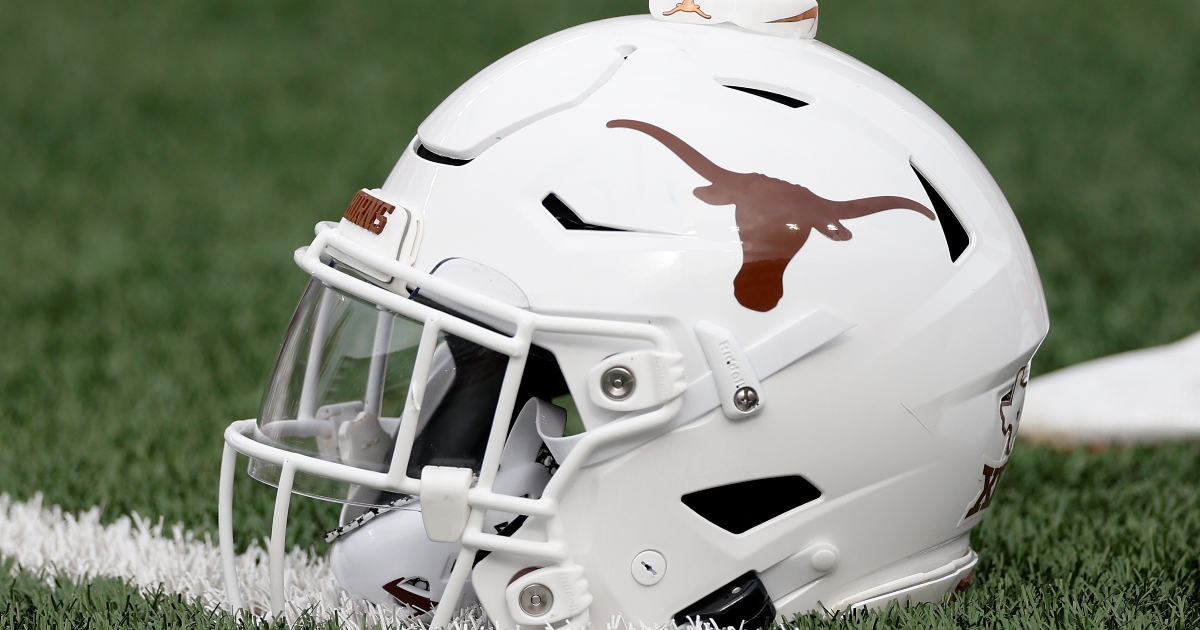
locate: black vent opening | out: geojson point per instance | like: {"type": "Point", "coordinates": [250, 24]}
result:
{"type": "Point", "coordinates": [567, 217]}
{"type": "Point", "coordinates": [740, 507]}
{"type": "Point", "coordinates": [424, 152]}
{"type": "Point", "coordinates": [794, 103]}
{"type": "Point", "coordinates": [957, 238]}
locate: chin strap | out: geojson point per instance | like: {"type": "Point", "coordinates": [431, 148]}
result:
{"type": "Point", "coordinates": [363, 518]}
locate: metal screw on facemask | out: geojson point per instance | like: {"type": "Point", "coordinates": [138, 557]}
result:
{"type": "Point", "coordinates": [617, 383]}
{"type": "Point", "coordinates": [745, 399]}
{"type": "Point", "coordinates": [536, 600]}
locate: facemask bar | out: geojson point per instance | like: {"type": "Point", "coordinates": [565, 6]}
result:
{"type": "Point", "coordinates": [480, 497]}
{"type": "Point", "coordinates": [373, 401]}
{"type": "Point", "coordinates": [312, 372]}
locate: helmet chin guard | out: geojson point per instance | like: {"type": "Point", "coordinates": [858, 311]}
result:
{"type": "Point", "coordinates": [682, 316]}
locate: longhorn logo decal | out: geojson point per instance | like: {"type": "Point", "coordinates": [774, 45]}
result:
{"type": "Point", "coordinates": [689, 6]}
{"type": "Point", "coordinates": [774, 217]}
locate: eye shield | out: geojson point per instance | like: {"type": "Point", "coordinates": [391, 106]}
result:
{"type": "Point", "coordinates": [341, 381]}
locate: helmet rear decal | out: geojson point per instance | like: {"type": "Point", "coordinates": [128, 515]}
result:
{"type": "Point", "coordinates": [774, 217]}
{"type": "Point", "coordinates": [1011, 404]}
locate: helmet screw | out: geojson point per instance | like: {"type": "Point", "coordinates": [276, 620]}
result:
{"type": "Point", "coordinates": [745, 399]}
{"type": "Point", "coordinates": [617, 383]}
{"type": "Point", "coordinates": [536, 600]}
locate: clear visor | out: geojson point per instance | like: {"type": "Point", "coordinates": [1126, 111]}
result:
{"type": "Point", "coordinates": [339, 390]}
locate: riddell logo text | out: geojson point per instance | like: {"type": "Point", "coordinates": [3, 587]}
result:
{"type": "Point", "coordinates": [368, 212]}
{"type": "Point", "coordinates": [735, 370]}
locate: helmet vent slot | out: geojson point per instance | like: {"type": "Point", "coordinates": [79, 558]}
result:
{"type": "Point", "coordinates": [742, 506]}
{"type": "Point", "coordinates": [794, 103]}
{"type": "Point", "coordinates": [567, 217]}
{"type": "Point", "coordinates": [424, 152]}
{"type": "Point", "coordinates": [957, 238]}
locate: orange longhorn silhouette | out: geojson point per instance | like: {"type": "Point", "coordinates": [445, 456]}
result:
{"type": "Point", "coordinates": [774, 217]}
{"type": "Point", "coordinates": [688, 6]}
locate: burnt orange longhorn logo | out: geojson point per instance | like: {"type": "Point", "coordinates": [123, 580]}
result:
{"type": "Point", "coordinates": [774, 217]}
{"type": "Point", "coordinates": [688, 6]}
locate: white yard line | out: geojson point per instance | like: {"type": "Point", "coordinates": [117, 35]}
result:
{"type": "Point", "coordinates": [1148, 395]}
{"type": "Point", "coordinates": [149, 555]}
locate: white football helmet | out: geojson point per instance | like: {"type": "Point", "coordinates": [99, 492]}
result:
{"type": "Point", "coordinates": [673, 317]}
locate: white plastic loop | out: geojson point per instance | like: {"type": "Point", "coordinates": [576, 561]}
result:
{"type": "Point", "coordinates": [657, 378]}
{"type": "Point", "coordinates": [551, 424]}
{"type": "Point", "coordinates": [444, 504]}
{"type": "Point", "coordinates": [568, 588]}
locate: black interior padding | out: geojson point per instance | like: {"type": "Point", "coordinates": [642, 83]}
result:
{"type": "Point", "coordinates": [567, 217]}
{"type": "Point", "coordinates": [739, 507]}
{"type": "Point", "coordinates": [957, 238]}
{"type": "Point", "coordinates": [424, 152]}
{"type": "Point", "coordinates": [794, 103]}
{"type": "Point", "coordinates": [457, 432]}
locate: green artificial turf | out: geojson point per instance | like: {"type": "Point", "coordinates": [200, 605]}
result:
{"type": "Point", "coordinates": [160, 161]}
{"type": "Point", "coordinates": [1073, 541]}
{"type": "Point", "coordinates": [27, 601]}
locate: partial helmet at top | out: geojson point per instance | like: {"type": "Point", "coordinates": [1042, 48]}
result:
{"type": "Point", "coordinates": [672, 317]}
